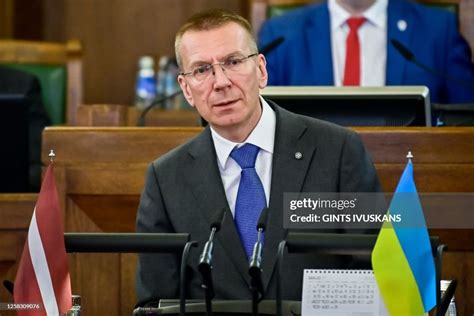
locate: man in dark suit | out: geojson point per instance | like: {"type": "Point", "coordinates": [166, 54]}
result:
{"type": "Point", "coordinates": [221, 76]}
{"type": "Point", "coordinates": [14, 81]}
{"type": "Point", "coordinates": [313, 52]}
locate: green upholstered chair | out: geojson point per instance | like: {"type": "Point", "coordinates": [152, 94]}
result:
{"type": "Point", "coordinates": [58, 67]}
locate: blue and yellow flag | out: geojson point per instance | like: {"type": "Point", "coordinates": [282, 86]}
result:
{"type": "Point", "coordinates": [402, 258]}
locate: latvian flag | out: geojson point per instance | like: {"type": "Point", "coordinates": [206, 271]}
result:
{"type": "Point", "coordinates": [43, 273]}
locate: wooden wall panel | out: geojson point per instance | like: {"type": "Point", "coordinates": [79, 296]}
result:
{"type": "Point", "coordinates": [21, 19]}
{"type": "Point", "coordinates": [6, 18]}
{"type": "Point", "coordinates": [99, 287]}
{"type": "Point", "coordinates": [28, 19]}
{"type": "Point", "coordinates": [115, 33]}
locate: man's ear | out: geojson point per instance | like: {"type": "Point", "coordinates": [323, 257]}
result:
{"type": "Point", "coordinates": [262, 69]}
{"type": "Point", "coordinates": [186, 90]}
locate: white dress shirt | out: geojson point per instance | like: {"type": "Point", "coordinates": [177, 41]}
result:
{"type": "Point", "coordinates": [263, 136]}
{"type": "Point", "coordinates": [372, 39]}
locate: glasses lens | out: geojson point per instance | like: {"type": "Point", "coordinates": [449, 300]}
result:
{"type": "Point", "coordinates": [233, 63]}
{"type": "Point", "coordinates": [201, 72]}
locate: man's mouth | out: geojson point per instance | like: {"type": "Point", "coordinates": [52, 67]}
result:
{"type": "Point", "coordinates": [225, 103]}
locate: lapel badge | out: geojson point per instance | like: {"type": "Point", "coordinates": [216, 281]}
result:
{"type": "Point", "coordinates": [402, 25]}
{"type": "Point", "coordinates": [298, 155]}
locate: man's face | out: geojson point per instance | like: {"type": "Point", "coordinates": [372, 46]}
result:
{"type": "Point", "coordinates": [227, 99]}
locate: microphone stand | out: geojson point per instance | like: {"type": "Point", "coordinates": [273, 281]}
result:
{"type": "Point", "coordinates": [255, 265]}
{"type": "Point", "coordinates": [205, 268]}
{"type": "Point", "coordinates": [255, 271]}
{"type": "Point", "coordinates": [205, 260]}
{"type": "Point", "coordinates": [182, 277]}
{"type": "Point", "coordinates": [141, 119]}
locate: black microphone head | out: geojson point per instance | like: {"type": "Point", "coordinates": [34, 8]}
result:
{"type": "Point", "coordinates": [272, 45]}
{"type": "Point", "coordinates": [402, 49]}
{"type": "Point", "coordinates": [262, 221]}
{"type": "Point", "coordinates": [218, 219]}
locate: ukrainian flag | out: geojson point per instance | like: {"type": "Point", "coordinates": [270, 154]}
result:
{"type": "Point", "coordinates": [402, 258]}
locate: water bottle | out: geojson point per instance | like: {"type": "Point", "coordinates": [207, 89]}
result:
{"type": "Point", "coordinates": [452, 305]}
{"type": "Point", "coordinates": [76, 306]}
{"type": "Point", "coordinates": [171, 86]}
{"type": "Point", "coordinates": [145, 90]}
{"type": "Point", "coordinates": [161, 78]}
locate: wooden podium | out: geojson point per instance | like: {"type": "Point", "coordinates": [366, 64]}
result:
{"type": "Point", "coordinates": [100, 174]}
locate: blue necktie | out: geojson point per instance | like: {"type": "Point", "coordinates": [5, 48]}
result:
{"type": "Point", "coordinates": [250, 196]}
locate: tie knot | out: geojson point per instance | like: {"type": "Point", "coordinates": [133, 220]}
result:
{"type": "Point", "coordinates": [245, 155]}
{"type": "Point", "coordinates": [355, 22]}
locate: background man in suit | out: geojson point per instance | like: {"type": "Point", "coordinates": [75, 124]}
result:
{"type": "Point", "coordinates": [221, 76]}
{"type": "Point", "coordinates": [14, 81]}
{"type": "Point", "coordinates": [314, 51]}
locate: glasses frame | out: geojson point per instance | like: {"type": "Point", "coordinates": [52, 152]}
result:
{"type": "Point", "coordinates": [211, 66]}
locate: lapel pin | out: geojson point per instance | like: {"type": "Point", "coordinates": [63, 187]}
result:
{"type": "Point", "coordinates": [298, 155]}
{"type": "Point", "coordinates": [402, 25]}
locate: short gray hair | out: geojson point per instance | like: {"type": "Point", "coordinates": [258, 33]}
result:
{"type": "Point", "coordinates": [208, 20]}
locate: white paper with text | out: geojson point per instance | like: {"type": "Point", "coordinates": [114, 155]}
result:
{"type": "Point", "coordinates": [341, 293]}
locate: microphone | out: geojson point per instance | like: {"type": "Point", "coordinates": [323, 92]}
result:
{"type": "Point", "coordinates": [141, 118]}
{"type": "Point", "coordinates": [205, 259]}
{"type": "Point", "coordinates": [272, 45]}
{"type": "Point", "coordinates": [409, 56]}
{"type": "Point", "coordinates": [256, 258]}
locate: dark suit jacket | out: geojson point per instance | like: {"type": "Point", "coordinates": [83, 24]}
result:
{"type": "Point", "coordinates": [305, 57]}
{"type": "Point", "coordinates": [184, 189]}
{"type": "Point", "coordinates": [14, 81]}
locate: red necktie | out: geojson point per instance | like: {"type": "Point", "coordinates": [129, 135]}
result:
{"type": "Point", "coordinates": [352, 68]}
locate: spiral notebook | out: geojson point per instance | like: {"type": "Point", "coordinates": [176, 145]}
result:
{"type": "Point", "coordinates": [341, 293]}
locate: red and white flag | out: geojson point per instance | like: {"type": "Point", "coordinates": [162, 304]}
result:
{"type": "Point", "coordinates": [43, 273]}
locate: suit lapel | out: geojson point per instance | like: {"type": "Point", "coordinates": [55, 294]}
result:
{"type": "Point", "coordinates": [318, 37]}
{"type": "Point", "coordinates": [399, 27]}
{"type": "Point", "coordinates": [206, 186]}
{"type": "Point", "coordinates": [288, 174]}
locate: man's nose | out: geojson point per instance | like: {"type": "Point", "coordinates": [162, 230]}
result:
{"type": "Point", "coordinates": [220, 77]}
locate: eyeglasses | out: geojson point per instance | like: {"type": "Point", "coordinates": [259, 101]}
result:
{"type": "Point", "coordinates": [233, 64]}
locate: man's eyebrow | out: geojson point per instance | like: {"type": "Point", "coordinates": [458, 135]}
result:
{"type": "Point", "coordinates": [202, 62]}
{"type": "Point", "coordinates": [233, 54]}
{"type": "Point", "coordinates": [198, 63]}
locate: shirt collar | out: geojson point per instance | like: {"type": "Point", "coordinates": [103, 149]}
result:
{"type": "Point", "coordinates": [263, 136]}
{"type": "Point", "coordinates": [375, 14]}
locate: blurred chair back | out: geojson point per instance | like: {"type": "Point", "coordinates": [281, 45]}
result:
{"type": "Point", "coordinates": [260, 10]}
{"type": "Point", "coordinates": [58, 67]}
